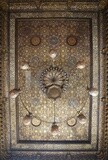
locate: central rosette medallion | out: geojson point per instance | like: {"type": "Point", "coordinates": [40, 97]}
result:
{"type": "Point", "coordinates": [54, 81]}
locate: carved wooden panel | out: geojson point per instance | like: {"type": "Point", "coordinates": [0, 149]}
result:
{"type": "Point", "coordinates": [25, 149]}
{"type": "Point", "coordinates": [23, 49]}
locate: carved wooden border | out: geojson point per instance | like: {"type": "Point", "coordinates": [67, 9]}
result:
{"type": "Point", "coordinates": [1, 110]}
{"type": "Point", "coordinates": [106, 87]}
{"type": "Point", "coordinates": [59, 4]}
{"type": "Point", "coordinates": [2, 103]}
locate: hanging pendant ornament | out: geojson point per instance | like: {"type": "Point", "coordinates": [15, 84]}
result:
{"type": "Point", "coordinates": [27, 119]}
{"type": "Point", "coordinates": [81, 118]}
{"type": "Point", "coordinates": [25, 66]}
{"type": "Point", "coordinates": [14, 93]}
{"type": "Point", "coordinates": [54, 128]}
{"type": "Point", "coordinates": [80, 65]}
{"type": "Point", "coordinates": [53, 54]}
{"type": "Point", "coordinates": [93, 92]}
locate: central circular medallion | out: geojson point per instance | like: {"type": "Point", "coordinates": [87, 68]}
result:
{"type": "Point", "coordinates": [54, 81]}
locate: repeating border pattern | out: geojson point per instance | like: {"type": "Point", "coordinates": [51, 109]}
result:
{"type": "Point", "coordinates": [2, 106]}
{"type": "Point", "coordinates": [3, 41]}
{"type": "Point", "coordinates": [106, 106]}
{"type": "Point", "coordinates": [58, 4]}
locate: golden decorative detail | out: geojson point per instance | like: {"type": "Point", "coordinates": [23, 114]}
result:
{"type": "Point", "coordinates": [36, 122]}
{"type": "Point", "coordinates": [71, 40]}
{"type": "Point", "coordinates": [72, 122]}
{"type": "Point", "coordinates": [35, 41]}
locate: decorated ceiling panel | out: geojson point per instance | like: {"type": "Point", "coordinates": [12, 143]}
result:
{"type": "Point", "coordinates": [53, 89]}
{"type": "Point", "coordinates": [38, 40]}
{"type": "Point", "coordinates": [52, 64]}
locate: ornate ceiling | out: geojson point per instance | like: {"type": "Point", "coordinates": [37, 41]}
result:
{"type": "Point", "coordinates": [31, 33]}
{"type": "Point", "coordinates": [39, 60]}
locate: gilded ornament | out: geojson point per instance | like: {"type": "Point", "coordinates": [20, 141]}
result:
{"type": "Point", "coordinates": [27, 120]}
{"type": "Point", "coordinates": [35, 41]}
{"type": "Point", "coordinates": [81, 118]}
{"type": "Point", "coordinates": [54, 128]}
{"type": "Point", "coordinates": [71, 40]}
{"type": "Point", "coordinates": [36, 122]}
{"type": "Point", "coordinates": [72, 122]}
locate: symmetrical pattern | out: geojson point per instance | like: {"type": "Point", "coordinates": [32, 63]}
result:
{"type": "Point", "coordinates": [37, 55]}
{"type": "Point", "coordinates": [76, 96]}
{"type": "Point", "coordinates": [35, 61]}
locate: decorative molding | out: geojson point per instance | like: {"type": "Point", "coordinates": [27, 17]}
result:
{"type": "Point", "coordinates": [3, 125]}
{"type": "Point", "coordinates": [63, 5]}
{"type": "Point", "coordinates": [2, 100]}
{"type": "Point", "coordinates": [57, 5]}
{"type": "Point", "coordinates": [103, 154]}
{"type": "Point", "coordinates": [105, 145]}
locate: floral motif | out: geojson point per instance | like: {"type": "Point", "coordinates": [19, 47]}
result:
{"type": "Point", "coordinates": [54, 76]}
